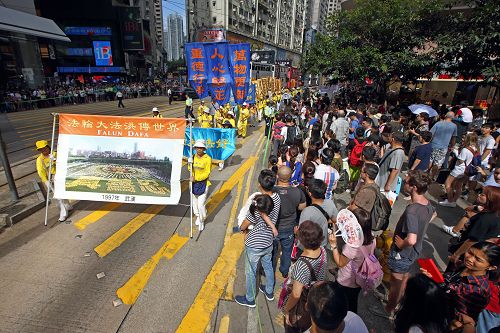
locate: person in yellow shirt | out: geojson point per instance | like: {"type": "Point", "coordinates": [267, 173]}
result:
{"type": "Point", "coordinates": [243, 120]}
{"type": "Point", "coordinates": [156, 113]}
{"type": "Point", "coordinates": [231, 118]}
{"type": "Point", "coordinates": [201, 110]}
{"type": "Point", "coordinates": [205, 119]}
{"type": "Point", "coordinates": [219, 116]}
{"type": "Point", "coordinates": [42, 167]}
{"type": "Point", "coordinates": [202, 165]}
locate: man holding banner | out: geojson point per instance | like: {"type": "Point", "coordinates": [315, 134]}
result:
{"type": "Point", "coordinates": [202, 165]}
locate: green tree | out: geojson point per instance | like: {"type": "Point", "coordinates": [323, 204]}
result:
{"type": "Point", "coordinates": [470, 45]}
{"type": "Point", "coordinates": [378, 39]}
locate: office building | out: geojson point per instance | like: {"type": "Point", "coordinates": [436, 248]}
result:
{"type": "Point", "coordinates": [174, 37]}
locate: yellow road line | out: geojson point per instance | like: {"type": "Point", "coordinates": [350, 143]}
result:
{"type": "Point", "coordinates": [131, 290]}
{"type": "Point", "coordinates": [128, 230]}
{"type": "Point", "coordinates": [198, 316]}
{"type": "Point", "coordinates": [224, 324]}
{"type": "Point", "coordinates": [96, 215]}
{"type": "Point", "coordinates": [131, 227]}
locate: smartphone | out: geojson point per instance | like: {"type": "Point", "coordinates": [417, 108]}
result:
{"type": "Point", "coordinates": [430, 266]}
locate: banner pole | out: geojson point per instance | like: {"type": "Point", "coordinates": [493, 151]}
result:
{"type": "Point", "coordinates": [54, 115]}
{"type": "Point", "coordinates": [191, 179]}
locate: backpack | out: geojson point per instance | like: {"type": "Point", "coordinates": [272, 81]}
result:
{"type": "Point", "coordinates": [369, 275]}
{"type": "Point", "coordinates": [355, 157]}
{"type": "Point", "coordinates": [470, 169]}
{"type": "Point", "coordinates": [381, 211]}
{"type": "Point", "coordinates": [291, 135]}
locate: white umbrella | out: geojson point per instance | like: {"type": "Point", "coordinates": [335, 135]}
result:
{"type": "Point", "coordinates": [419, 108]}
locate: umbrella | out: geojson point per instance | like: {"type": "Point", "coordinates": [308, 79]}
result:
{"type": "Point", "coordinates": [349, 228]}
{"type": "Point", "coordinates": [419, 108]}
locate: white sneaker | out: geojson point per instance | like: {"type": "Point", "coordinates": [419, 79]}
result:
{"type": "Point", "coordinates": [449, 230]}
{"type": "Point", "coordinates": [201, 226]}
{"type": "Point", "coordinates": [197, 222]}
{"type": "Point", "coordinates": [446, 203]}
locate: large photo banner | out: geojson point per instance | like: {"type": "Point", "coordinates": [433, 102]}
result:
{"type": "Point", "coordinates": [220, 142]}
{"type": "Point", "coordinates": [119, 159]}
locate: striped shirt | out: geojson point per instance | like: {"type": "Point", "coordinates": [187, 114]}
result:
{"type": "Point", "coordinates": [329, 176]}
{"type": "Point", "coordinates": [300, 271]}
{"type": "Point", "coordinates": [261, 236]}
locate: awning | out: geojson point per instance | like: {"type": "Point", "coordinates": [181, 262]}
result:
{"type": "Point", "coordinates": [23, 23]}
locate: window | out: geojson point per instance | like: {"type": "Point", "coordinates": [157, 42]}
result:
{"type": "Point", "coordinates": [214, 3]}
{"type": "Point", "coordinates": [215, 19]}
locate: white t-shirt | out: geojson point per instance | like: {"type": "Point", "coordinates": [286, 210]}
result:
{"type": "Point", "coordinates": [466, 115]}
{"type": "Point", "coordinates": [465, 156]}
{"type": "Point", "coordinates": [486, 143]}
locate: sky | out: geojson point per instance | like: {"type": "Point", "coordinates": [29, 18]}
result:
{"type": "Point", "coordinates": [174, 6]}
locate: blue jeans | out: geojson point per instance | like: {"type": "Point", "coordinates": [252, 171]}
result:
{"type": "Point", "coordinates": [286, 239]}
{"type": "Point", "coordinates": [252, 258]}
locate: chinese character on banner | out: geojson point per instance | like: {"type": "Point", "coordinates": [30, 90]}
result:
{"type": "Point", "coordinates": [197, 68]}
{"type": "Point", "coordinates": [239, 59]}
{"type": "Point", "coordinates": [219, 74]}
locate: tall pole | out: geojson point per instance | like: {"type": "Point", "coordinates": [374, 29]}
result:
{"type": "Point", "coordinates": [50, 168]}
{"type": "Point", "coordinates": [191, 178]}
{"type": "Point", "coordinates": [8, 170]}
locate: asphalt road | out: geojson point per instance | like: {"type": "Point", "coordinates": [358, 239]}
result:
{"type": "Point", "coordinates": [156, 278]}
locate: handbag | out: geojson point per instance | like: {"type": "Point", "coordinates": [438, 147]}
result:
{"type": "Point", "coordinates": [200, 187]}
{"type": "Point", "coordinates": [299, 316]}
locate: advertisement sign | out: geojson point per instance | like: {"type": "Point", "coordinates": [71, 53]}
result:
{"type": "Point", "coordinates": [119, 159]}
{"type": "Point", "coordinates": [220, 142]}
{"type": "Point", "coordinates": [210, 35]}
{"type": "Point", "coordinates": [264, 57]}
{"type": "Point", "coordinates": [102, 53]}
{"type": "Point", "coordinates": [239, 59]}
{"type": "Point", "coordinates": [131, 25]}
{"type": "Point", "coordinates": [87, 31]}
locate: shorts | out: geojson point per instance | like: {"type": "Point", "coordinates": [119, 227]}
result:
{"type": "Point", "coordinates": [401, 265]}
{"type": "Point", "coordinates": [354, 173]}
{"type": "Point", "coordinates": [438, 156]}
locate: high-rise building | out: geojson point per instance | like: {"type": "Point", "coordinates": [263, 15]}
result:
{"type": "Point", "coordinates": [174, 37]}
{"type": "Point", "coordinates": [317, 13]}
{"type": "Point", "coordinates": [271, 25]}
{"type": "Point", "coordinates": [333, 6]}
{"type": "Point", "coordinates": [158, 22]}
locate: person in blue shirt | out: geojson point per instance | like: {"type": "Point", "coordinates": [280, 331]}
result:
{"type": "Point", "coordinates": [354, 123]}
{"type": "Point", "coordinates": [420, 158]}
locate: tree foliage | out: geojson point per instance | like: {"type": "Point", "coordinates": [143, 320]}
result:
{"type": "Point", "coordinates": [409, 38]}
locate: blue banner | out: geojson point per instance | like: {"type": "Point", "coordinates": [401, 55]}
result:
{"type": "Point", "coordinates": [220, 93]}
{"type": "Point", "coordinates": [220, 142]}
{"type": "Point", "coordinates": [197, 68]}
{"type": "Point", "coordinates": [252, 88]}
{"type": "Point", "coordinates": [239, 58]}
{"type": "Point", "coordinates": [219, 75]}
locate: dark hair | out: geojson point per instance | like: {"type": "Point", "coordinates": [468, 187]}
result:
{"type": "Point", "coordinates": [396, 116]}
{"type": "Point", "coordinates": [425, 305]}
{"type": "Point", "coordinates": [488, 125]}
{"type": "Point", "coordinates": [368, 120]}
{"type": "Point", "coordinates": [399, 137]}
{"type": "Point", "coordinates": [492, 252]}
{"type": "Point", "coordinates": [329, 132]}
{"type": "Point", "coordinates": [288, 118]}
{"type": "Point", "coordinates": [420, 180]}
{"type": "Point", "coordinates": [385, 118]}
{"type": "Point", "coordinates": [424, 116]}
{"type": "Point", "coordinates": [310, 235]}
{"type": "Point", "coordinates": [273, 161]}
{"type": "Point", "coordinates": [316, 132]}
{"type": "Point", "coordinates": [371, 170]}
{"type": "Point", "coordinates": [360, 132]}
{"type": "Point", "coordinates": [365, 221]}
{"type": "Point", "coordinates": [327, 156]}
{"type": "Point", "coordinates": [308, 169]}
{"type": "Point", "coordinates": [278, 117]}
{"type": "Point", "coordinates": [334, 145]}
{"type": "Point", "coordinates": [374, 137]}
{"type": "Point", "coordinates": [312, 154]}
{"type": "Point", "coordinates": [267, 179]}
{"type": "Point", "coordinates": [426, 136]}
{"type": "Point", "coordinates": [369, 153]}
{"type": "Point", "coordinates": [317, 188]}
{"type": "Point", "coordinates": [261, 203]}
{"type": "Point", "coordinates": [293, 152]}
{"type": "Point", "coordinates": [327, 305]}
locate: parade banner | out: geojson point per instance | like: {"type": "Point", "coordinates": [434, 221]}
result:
{"type": "Point", "coordinates": [252, 88]}
{"type": "Point", "coordinates": [197, 68]}
{"type": "Point", "coordinates": [220, 142]}
{"type": "Point", "coordinates": [219, 75]}
{"type": "Point", "coordinates": [119, 159]}
{"type": "Point", "coordinates": [239, 59]}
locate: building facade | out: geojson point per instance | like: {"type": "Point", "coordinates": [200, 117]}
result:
{"type": "Point", "coordinates": [174, 37]}
{"type": "Point", "coordinates": [266, 24]}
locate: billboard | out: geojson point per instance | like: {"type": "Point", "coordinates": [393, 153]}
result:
{"type": "Point", "coordinates": [102, 53]}
{"type": "Point", "coordinates": [119, 159]}
{"type": "Point", "coordinates": [210, 35]}
{"type": "Point", "coordinates": [131, 25]}
{"type": "Point", "coordinates": [263, 57]}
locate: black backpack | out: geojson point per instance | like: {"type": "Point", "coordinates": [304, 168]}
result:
{"type": "Point", "coordinates": [381, 211]}
{"type": "Point", "coordinates": [291, 135]}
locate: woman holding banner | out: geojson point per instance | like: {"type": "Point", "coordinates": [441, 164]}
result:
{"type": "Point", "coordinates": [202, 165]}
